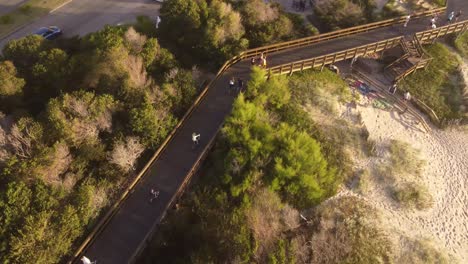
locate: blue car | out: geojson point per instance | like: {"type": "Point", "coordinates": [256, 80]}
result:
{"type": "Point", "coordinates": [49, 33]}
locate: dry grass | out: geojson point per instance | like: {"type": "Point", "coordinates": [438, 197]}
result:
{"type": "Point", "coordinates": [347, 231]}
{"type": "Point", "coordinates": [26, 13]}
{"type": "Point", "coordinates": [405, 159]}
{"type": "Point", "coordinates": [422, 252]}
{"type": "Point", "coordinates": [413, 195]}
{"type": "Point", "coordinates": [269, 218]}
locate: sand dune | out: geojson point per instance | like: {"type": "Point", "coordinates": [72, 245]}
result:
{"type": "Point", "coordinates": [445, 175]}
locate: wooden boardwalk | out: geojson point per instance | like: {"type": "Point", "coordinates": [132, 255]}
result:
{"type": "Point", "coordinates": [125, 234]}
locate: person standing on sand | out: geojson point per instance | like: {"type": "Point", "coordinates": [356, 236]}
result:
{"type": "Point", "coordinates": [407, 19]}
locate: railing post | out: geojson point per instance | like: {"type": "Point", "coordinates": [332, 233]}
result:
{"type": "Point", "coordinates": [292, 66]}
{"type": "Point", "coordinates": [281, 69]}
{"type": "Point", "coordinates": [302, 66]}
{"type": "Point", "coordinates": [365, 51]}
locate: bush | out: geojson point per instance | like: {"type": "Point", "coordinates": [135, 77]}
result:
{"type": "Point", "coordinates": [422, 252]}
{"type": "Point", "coordinates": [209, 30]}
{"type": "Point", "coordinates": [335, 14]}
{"type": "Point", "coordinates": [461, 44]}
{"type": "Point", "coordinates": [25, 9]}
{"type": "Point", "coordinates": [412, 195]}
{"type": "Point", "coordinates": [405, 159]}
{"type": "Point", "coordinates": [347, 231]}
{"type": "Point", "coordinates": [434, 85]}
{"type": "Point", "coordinates": [6, 19]}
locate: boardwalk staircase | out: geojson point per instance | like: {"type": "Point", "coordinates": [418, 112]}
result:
{"type": "Point", "coordinates": [413, 58]}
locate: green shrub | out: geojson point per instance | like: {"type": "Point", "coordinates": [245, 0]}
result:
{"type": "Point", "coordinates": [434, 85]}
{"type": "Point", "coordinates": [413, 195]}
{"type": "Point", "coordinates": [25, 9]}
{"type": "Point", "coordinates": [461, 44]}
{"type": "Point", "coordinates": [348, 230]}
{"type": "Point", "coordinates": [423, 252]}
{"type": "Point", "coordinates": [6, 19]}
{"type": "Point", "coordinates": [440, 3]}
{"type": "Point", "coordinates": [405, 159]}
{"type": "Point", "coordinates": [335, 14]}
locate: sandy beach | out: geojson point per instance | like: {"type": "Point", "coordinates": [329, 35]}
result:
{"type": "Point", "coordinates": [445, 175]}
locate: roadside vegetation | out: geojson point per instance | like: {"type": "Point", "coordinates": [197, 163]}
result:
{"type": "Point", "coordinates": [210, 32]}
{"type": "Point", "coordinates": [78, 118]}
{"type": "Point", "coordinates": [440, 85]}
{"type": "Point", "coordinates": [336, 14]}
{"type": "Point", "coordinates": [26, 13]}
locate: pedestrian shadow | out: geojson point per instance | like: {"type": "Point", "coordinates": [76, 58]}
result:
{"type": "Point", "coordinates": [407, 120]}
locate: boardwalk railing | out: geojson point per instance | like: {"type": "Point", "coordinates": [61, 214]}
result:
{"type": "Point", "coordinates": [321, 61]}
{"type": "Point", "coordinates": [432, 34]}
{"type": "Point", "coordinates": [426, 109]}
{"type": "Point", "coordinates": [243, 55]}
{"type": "Point", "coordinates": [397, 100]}
{"type": "Point", "coordinates": [419, 65]}
{"type": "Point", "coordinates": [335, 34]}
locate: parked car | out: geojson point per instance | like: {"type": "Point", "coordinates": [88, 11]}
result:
{"type": "Point", "coordinates": [49, 33]}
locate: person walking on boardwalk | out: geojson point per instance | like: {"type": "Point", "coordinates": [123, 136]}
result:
{"type": "Point", "coordinates": [407, 19]}
{"type": "Point", "coordinates": [231, 85]}
{"type": "Point", "coordinates": [392, 89]}
{"type": "Point", "coordinates": [86, 260]}
{"type": "Point", "coordinates": [263, 62]}
{"type": "Point", "coordinates": [450, 17]}
{"type": "Point", "coordinates": [154, 194]}
{"type": "Point", "coordinates": [458, 15]}
{"type": "Point", "coordinates": [195, 138]}
{"type": "Point", "coordinates": [240, 85]}
{"type": "Point", "coordinates": [407, 96]}
{"type": "Point", "coordinates": [433, 22]}
{"type": "Point", "coordinates": [252, 61]}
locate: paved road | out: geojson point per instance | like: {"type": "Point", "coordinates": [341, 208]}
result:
{"type": "Point", "coordinates": [126, 231]}
{"type": "Point", "coordinates": [6, 6]}
{"type": "Point", "coordinates": [84, 16]}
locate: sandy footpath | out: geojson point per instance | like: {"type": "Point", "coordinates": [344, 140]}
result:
{"type": "Point", "coordinates": [445, 175]}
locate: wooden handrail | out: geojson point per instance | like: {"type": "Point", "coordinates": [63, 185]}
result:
{"type": "Point", "coordinates": [335, 34]}
{"type": "Point", "coordinates": [248, 54]}
{"type": "Point", "coordinates": [424, 107]}
{"type": "Point", "coordinates": [323, 60]}
{"type": "Point", "coordinates": [441, 31]}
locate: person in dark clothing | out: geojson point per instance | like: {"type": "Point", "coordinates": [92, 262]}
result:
{"type": "Point", "coordinates": [458, 15]}
{"type": "Point", "coordinates": [240, 85]}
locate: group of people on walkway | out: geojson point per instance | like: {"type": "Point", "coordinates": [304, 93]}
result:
{"type": "Point", "coordinates": [451, 18]}
{"type": "Point", "coordinates": [236, 86]}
